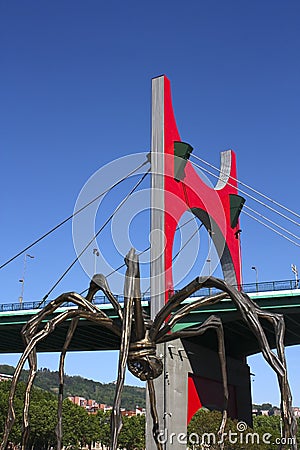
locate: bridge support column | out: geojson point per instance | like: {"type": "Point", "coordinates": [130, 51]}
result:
{"type": "Point", "coordinates": [191, 379]}
{"type": "Point", "coordinates": [172, 395]}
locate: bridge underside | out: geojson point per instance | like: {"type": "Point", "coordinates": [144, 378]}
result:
{"type": "Point", "coordinates": [239, 340]}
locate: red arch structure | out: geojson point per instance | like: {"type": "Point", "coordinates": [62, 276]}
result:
{"type": "Point", "coordinates": [178, 188]}
{"type": "Point", "coordinates": [192, 380]}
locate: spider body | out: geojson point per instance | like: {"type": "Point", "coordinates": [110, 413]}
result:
{"type": "Point", "coordinates": [139, 337]}
{"type": "Point", "coordinates": [143, 362]}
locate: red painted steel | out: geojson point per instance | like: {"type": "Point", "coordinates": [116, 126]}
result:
{"type": "Point", "coordinates": [203, 392]}
{"type": "Point", "coordinates": [191, 192]}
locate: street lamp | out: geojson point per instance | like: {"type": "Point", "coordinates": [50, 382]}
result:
{"type": "Point", "coordinates": [208, 260]}
{"type": "Point", "coordinates": [22, 280]}
{"type": "Point", "coordinates": [256, 276]}
{"type": "Point", "coordinates": [95, 253]}
{"type": "Point", "coordinates": [295, 272]}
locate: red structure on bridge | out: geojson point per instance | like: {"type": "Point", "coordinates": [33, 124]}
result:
{"type": "Point", "coordinates": [217, 208]}
{"type": "Point", "coordinates": [193, 381]}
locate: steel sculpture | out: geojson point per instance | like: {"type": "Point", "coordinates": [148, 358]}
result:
{"type": "Point", "coordinates": [139, 337]}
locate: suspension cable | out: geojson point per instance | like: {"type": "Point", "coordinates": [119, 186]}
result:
{"type": "Point", "coordinates": [94, 237]}
{"type": "Point", "coordinates": [248, 187]}
{"type": "Point", "coordinates": [272, 222]}
{"type": "Point", "coordinates": [249, 195]}
{"type": "Point", "coordinates": [72, 215]}
{"type": "Point", "coordinates": [185, 244]}
{"type": "Point", "coordinates": [148, 248]}
{"type": "Point", "coordinates": [144, 251]}
{"type": "Point", "coordinates": [271, 228]}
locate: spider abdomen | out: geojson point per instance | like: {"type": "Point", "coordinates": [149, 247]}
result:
{"type": "Point", "coordinates": [143, 361]}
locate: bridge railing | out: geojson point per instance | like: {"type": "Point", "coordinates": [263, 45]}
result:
{"type": "Point", "coordinates": [271, 286]}
{"type": "Point", "coordinates": [102, 300]}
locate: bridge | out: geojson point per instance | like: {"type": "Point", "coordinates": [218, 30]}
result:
{"type": "Point", "coordinates": [282, 297]}
{"type": "Point", "coordinates": [191, 367]}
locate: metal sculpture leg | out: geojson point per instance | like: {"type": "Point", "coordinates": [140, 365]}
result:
{"type": "Point", "coordinates": [131, 292]}
{"type": "Point", "coordinates": [11, 410]}
{"type": "Point", "coordinates": [69, 337]}
{"type": "Point", "coordinates": [39, 336]}
{"type": "Point", "coordinates": [252, 314]}
{"type": "Point", "coordinates": [154, 415]}
{"type": "Point", "coordinates": [288, 418]}
{"type": "Point", "coordinates": [116, 419]}
{"type": "Point", "coordinates": [32, 359]}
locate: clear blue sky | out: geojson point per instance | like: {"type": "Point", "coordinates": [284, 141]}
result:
{"type": "Point", "coordinates": [75, 94]}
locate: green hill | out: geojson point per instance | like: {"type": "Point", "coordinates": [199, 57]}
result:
{"type": "Point", "coordinates": [76, 385]}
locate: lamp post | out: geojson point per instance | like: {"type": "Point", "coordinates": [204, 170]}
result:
{"type": "Point", "coordinates": [95, 253]}
{"type": "Point", "coordinates": [295, 272]}
{"type": "Point", "coordinates": [208, 260]}
{"type": "Point", "coordinates": [256, 276]}
{"type": "Point", "coordinates": [22, 280]}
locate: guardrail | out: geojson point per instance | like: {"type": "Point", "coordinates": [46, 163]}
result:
{"type": "Point", "coordinates": [102, 300]}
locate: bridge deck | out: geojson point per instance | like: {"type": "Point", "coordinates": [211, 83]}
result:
{"type": "Point", "coordinates": [239, 339]}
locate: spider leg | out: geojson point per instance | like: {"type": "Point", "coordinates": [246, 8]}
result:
{"type": "Point", "coordinates": [213, 322]}
{"type": "Point", "coordinates": [27, 332]}
{"type": "Point", "coordinates": [33, 323]}
{"type": "Point", "coordinates": [98, 282]}
{"type": "Point", "coordinates": [289, 421]}
{"type": "Point", "coordinates": [102, 284]}
{"type": "Point", "coordinates": [186, 309]}
{"type": "Point", "coordinates": [116, 418]}
{"type": "Point", "coordinates": [70, 334]}
{"type": "Point", "coordinates": [11, 411]}
{"type": "Point", "coordinates": [93, 288]}
{"type": "Point", "coordinates": [31, 346]}
{"type": "Point", "coordinates": [154, 415]}
{"type": "Point", "coordinates": [173, 303]}
{"type": "Point", "coordinates": [251, 314]}
{"type": "Point", "coordinates": [131, 291]}
{"type": "Point", "coordinates": [32, 359]}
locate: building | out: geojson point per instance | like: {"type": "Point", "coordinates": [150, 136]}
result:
{"type": "Point", "coordinates": [5, 377]}
{"type": "Point", "coordinates": [80, 401]}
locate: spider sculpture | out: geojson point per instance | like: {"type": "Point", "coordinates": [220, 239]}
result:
{"type": "Point", "coordinates": [138, 339]}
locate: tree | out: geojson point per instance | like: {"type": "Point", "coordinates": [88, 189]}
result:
{"type": "Point", "coordinates": [15, 435]}
{"type": "Point", "coordinates": [92, 433]}
{"type": "Point", "coordinates": [43, 417]}
{"type": "Point", "coordinates": [74, 425]}
{"type": "Point", "coordinates": [103, 419]}
{"type": "Point", "coordinates": [132, 436]}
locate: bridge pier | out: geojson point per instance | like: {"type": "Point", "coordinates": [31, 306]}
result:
{"type": "Point", "coordinates": [191, 379]}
